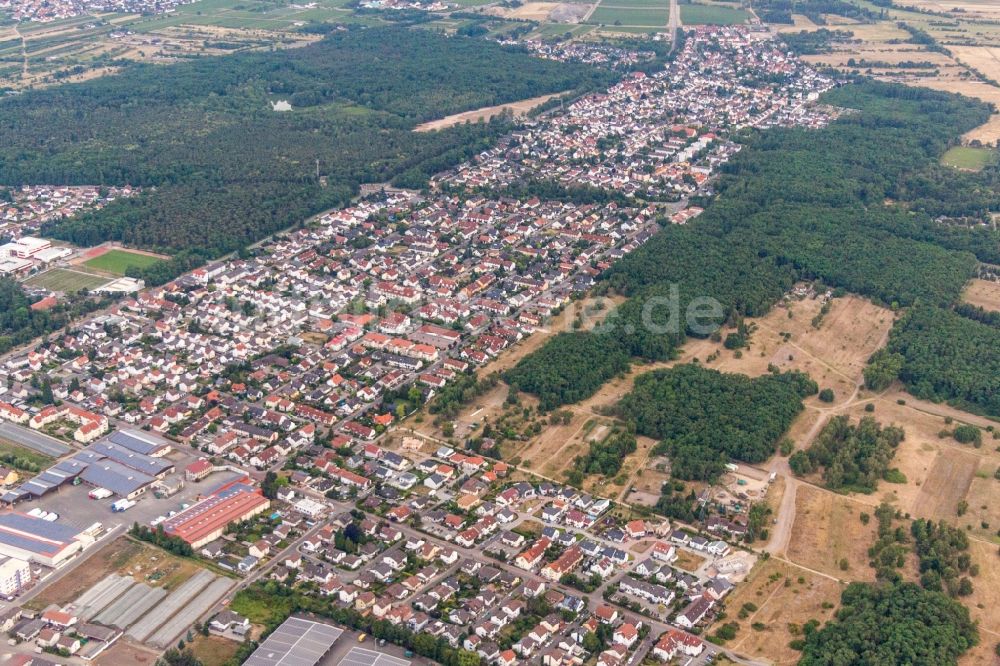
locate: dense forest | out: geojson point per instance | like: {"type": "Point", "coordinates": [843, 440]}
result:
{"type": "Point", "coordinates": [892, 623]}
{"type": "Point", "coordinates": [942, 356]}
{"type": "Point", "coordinates": [604, 457]}
{"type": "Point", "coordinates": [808, 204]}
{"type": "Point", "coordinates": [852, 457]}
{"type": "Point", "coordinates": [705, 417]}
{"type": "Point", "coordinates": [945, 563]}
{"type": "Point", "coordinates": [222, 169]}
{"type": "Point", "coordinates": [569, 370]}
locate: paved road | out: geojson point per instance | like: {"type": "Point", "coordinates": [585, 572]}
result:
{"type": "Point", "coordinates": [674, 22]}
{"type": "Point", "coordinates": [33, 440]}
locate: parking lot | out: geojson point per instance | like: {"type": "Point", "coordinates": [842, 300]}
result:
{"type": "Point", "coordinates": [77, 509]}
{"type": "Point", "coordinates": [348, 652]}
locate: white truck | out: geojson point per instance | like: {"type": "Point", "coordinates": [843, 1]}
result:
{"type": "Point", "coordinates": [99, 493]}
{"type": "Point", "coordinates": [122, 505]}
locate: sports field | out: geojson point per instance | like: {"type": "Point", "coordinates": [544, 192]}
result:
{"type": "Point", "coordinates": [117, 262]}
{"type": "Point", "coordinates": [66, 280]}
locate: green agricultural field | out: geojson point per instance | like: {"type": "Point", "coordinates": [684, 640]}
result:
{"type": "Point", "coordinates": [66, 280]}
{"type": "Point", "coordinates": [967, 157]}
{"type": "Point", "coordinates": [711, 15]}
{"type": "Point", "coordinates": [118, 261]}
{"type": "Point", "coordinates": [653, 18]}
{"type": "Point", "coordinates": [636, 4]}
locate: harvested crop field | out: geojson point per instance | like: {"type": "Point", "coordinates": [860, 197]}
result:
{"type": "Point", "coordinates": [947, 484]}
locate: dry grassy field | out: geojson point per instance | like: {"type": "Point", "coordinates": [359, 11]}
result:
{"type": "Point", "coordinates": [780, 608]}
{"type": "Point", "coordinates": [517, 108]}
{"type": "Point", "coordinates": [827, 529]}
{"type": "Point", "coordinates": [972, 38]}
{"type": "Point", "coordinates": [984, 293]}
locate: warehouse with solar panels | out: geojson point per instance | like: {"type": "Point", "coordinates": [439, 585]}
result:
{"type": "Point", "coordinates": [124, 462]}
{"type": "Point", "coordinates": [32, 539]}
{"type": "Point", "coordinates": [298, 642]}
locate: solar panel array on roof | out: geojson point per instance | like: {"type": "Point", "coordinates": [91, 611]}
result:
{"type": "Point", "coordinates": [34, 534]}
{"type": "Point", "coordinates": [50, 479]}
{"type": "Point", "coordinates": [136, 441]}
{"type": "Point", "coordinates": [117, 478]}
{"type": "Point", "coordinates": [297, 642]}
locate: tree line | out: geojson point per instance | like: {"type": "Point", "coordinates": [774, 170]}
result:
{"type": "Point", "coordinates": [850, 457]}
{"type": "Point", "coordinates": [942, 356]}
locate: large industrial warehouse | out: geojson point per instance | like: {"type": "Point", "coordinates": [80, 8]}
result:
{"type": "Point", "coordinates": [33, 539]}
{"type": "Point", "coordinates": [207, 520]}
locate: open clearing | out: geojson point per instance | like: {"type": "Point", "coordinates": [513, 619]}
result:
{"type": "Point", "coordinates": [117, 261]}
{"type": "Point", "coordinates": [780, 607]}
{"type": "Point", "coordinates": [833, 354]}
{"type": "Point", "coordinates": [213, 650]}
{"type": "Point", "coordinates": [939, 471]}
{"type": "Point", "coordinates": [517, 108]}
{"type": "Point", "coordinates": [827, 529]}
{"type": "Point", "coordinates": [968, 158]}
{"type": "Point", "coordinates": [984, 293]}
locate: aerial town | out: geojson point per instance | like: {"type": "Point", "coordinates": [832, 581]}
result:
{"type": "Point", "coordinates": [44, 11]}
{"type": "Point", "coordinates": [238, 458]}
{"type": "Point", "coordinates": [250, 415]}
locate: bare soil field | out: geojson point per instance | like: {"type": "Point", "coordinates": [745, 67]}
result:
{"type": "Point", "coordinates": [126, 653]}
{"type": "Point", "coordinates": [124, 556]}
{"type": "Point", "coordinates": [827, 529]}
{"type": "Point", "coordinates": [780, 608]}
{"type": "Point", "coordinates": [517, 108]}
{"type": "Point", "coordinates": [984, 293]}
{"type": "Point", "coordinates": [213, 650]}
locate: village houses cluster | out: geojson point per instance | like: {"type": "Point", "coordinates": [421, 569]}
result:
{"type": "Point", "coordinates": [298, 356]}
{"type": "Point", "coordinates": [660, 136]}
{"type": "Point", "coordinates": [44, 11]}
